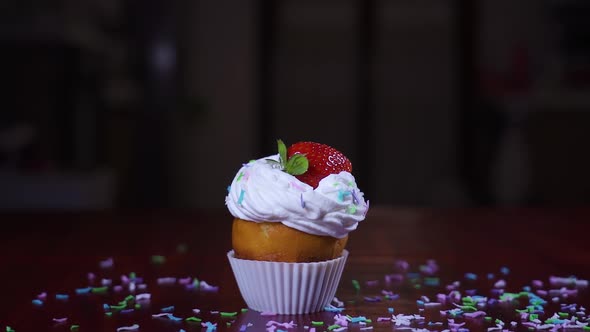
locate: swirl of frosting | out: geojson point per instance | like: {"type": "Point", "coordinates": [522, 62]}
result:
{"type": "Point", "coordinates": [262, 192]}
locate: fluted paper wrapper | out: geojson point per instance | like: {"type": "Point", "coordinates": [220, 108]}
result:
{"type": "Point", "coordinates": [287, 288]}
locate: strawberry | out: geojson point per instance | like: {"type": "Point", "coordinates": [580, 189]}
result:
{"type": "Point", "coordinates": [323, 160]}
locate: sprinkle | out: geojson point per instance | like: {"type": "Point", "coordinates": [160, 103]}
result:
{"type": "Point", "coordinates": [204, 286]}
{"type": "Point", "coordinates": [74, 327]}
{"type": "Point", "coordinates": [372, 299]}
{"type": "Point", "coordinates": [504, 270]}
{"type": "Point", "coordinates": [337, 302]}
{"type": "Point", "coordinates": [356, 285]}
{"type": "Point", "coordinates": [9, 329]}
{"type": "Point", "coordinates": [185, 281]}
{"type": "Point", "coordinates": [106, 282]}
{"type": "Point", "coordinates": [37, 302]}
{"type": "Point", "coordinates": [267, 313]}
{"type": "Point", "coordinates": [127, 311]}
{"type": "Point", "coordinates": [119, 307]}
{"type": "Point", "coordinates": [168, 309]}
{"type": "Point", "coordinates": [333, 327]}
{"type": "Point", "coordinates": [383, 319]}
{"type": "Point", "coordinates": [62, 297]}
{"type": "Point", "coordinates": [243, 328]}
{"type": "Point", "coordinates": [158, 259]}
{"type": "Point", "coordinates": [210, 326]}
{"type": "Point", "coordinates": [42, 296]}
{"type": "Point", "coordinates": [314, 323]}
{"type": "Point", "coordinates": [143, 296]}
{"type": "Point", "coordinates": [244, 310]}
{"type": "Point", "coordinates": [331, 308]}
{"type": "Point", "coordinates": [228, 314]}
{"type": "Point", "coordinates": [106, 264]}
{"type": "Point", "coordinates": [81, 291]}
{"type": "Point", "coordinates": [99, 290]}
{"type": "Point", "coordinates": [166, 281]}
{"type": "Point", "coordinates": [133, 327]}
{"type": "Point", "coordinates": [193, 319]}
{"type": "Point", "coordinates": [60, 320]}
{"type": "Point", "coordinates": [197, 311]}
{"type": "Point", "coordinates": [470, 276]}
{"type": "Point", "coordinates": [351, 209]}
{"type": "Point", "coordinates": [240, 176]}
{"type": "Point", "coordinates": [241, 198]}
{"type": "Point", "coordinates": [117, 288]}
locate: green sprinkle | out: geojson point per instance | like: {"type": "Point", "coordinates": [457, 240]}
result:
{"type": "Point", "coordinates": [498, 321]}
{"type": "Point", "coordinates": [532, 317]}
{"type": "Point", "coordinates": [351, 209]}
{"type": "Point", "coordinates": [132, 275]}
{"type": "Point", "coordinates": [586, 328]}
{"type": "Point", "coordinates": [158, 259]}
{"type": "Point", "coordinates": [417, 286]}
{"type": "Point", "coordinates": [100, 290]}
{"type": "Point", "coordinates": [563, 314]}
{"type": "Point", "coordinates": [137, 306]}
{"type": "Point", "coordinates": [129, 298]}
{"type": "Point", "coordinates": [74, 327]}
{"type": "Point", "coordinates": [193, 319]}
{"type": "Point", "coordinates": [487, 318]}
{"type": "Point", "coordinates": [521, 311]}
{"type": "Point", "coordinates": [228, 324]}
{"type": "Point", "coordinates": [468, 308]}
{"type": "Point", "coordinates": [244, 310]}
{"type": "Point", "coordinates": [108, 313]}
{"type": "Point", "coordinates": [356, 285]}
{"type": "Point", "coordinates": [123, 303]}
{"type": "Point", "coordinates": [118, 307]}
{"type": "Point", "coordinates": [332, 327]}
{"type": "Point", "coordinates": [228, 314]}
{"type": "Point", "coordinates": [196, 283]}
{"type": "Point", "coordinates": [314, 323]}
{"type": "Point", "coordinates": [240, 177]}
{"type": "Point", "coordinates": [9, 329]}
{"type": "Point", "coordinates": [368, 321]}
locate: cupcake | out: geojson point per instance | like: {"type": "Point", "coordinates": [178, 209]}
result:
{"type": "Point", "coordinates": [293, 213]}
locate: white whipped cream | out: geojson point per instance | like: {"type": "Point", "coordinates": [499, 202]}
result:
{"type": "Point", "coordinates": [262, 192]}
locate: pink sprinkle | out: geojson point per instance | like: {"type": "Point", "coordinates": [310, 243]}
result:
{"type": "Point", "coordinates": [107, 263]}
{"type": "Point", "coordinates": [196, 311]}
{"type": "Point", "coordinates": [166, 281]}
{"type": "Point", "coordinates": [124, 279]}
{"type": "Point", "coordinates": [383, 319]}
{"type": "Point", "coordinates": [42, 296]}
{"type": "Point", "coordinates": [288, 325]}
{"type": "Point", "coordinates": [91, 276]}
{"type": "Point", "coordinates": [185, 281]}
{"type": "Point", "coordinates": [60, 320]}
{"type": "Point", "coordinates": [312, 329]}
{"type": "Point", "coordinates": [372, 282]}
{"type": "Point", "coordinates": [267, 313]}
{"type": "Point", "coordinates": [118, 288]}
{"type": "Point", "coordinates": [296, 186]}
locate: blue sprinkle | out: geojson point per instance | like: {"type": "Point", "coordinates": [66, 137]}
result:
{"type": "Point", "coordinates": [106, 307]}
{"type": "Point", "coordinates": [490, 276]}
{"type": "Point", "coordinates": [83, 290]}
{"type": "Point", "coordinates": [526, 288]}
{"type": "Point", "coordinates": [228, 188]}
{"type": "Point", "coordinates": [504, 270]}
{"type": "Point", "coordinates": [420, 303]}
{"type": "Point", "coordinates": [243, 328]}
{"type": "Point", "coordinates": [61, 296]}
{"type": "Point", "coordinates": [332, 308]}
{"type": "Point", "coordinates": [391, 310]}
{"type": "Point", "coordinates": [241, 198]}
{"type": "Point", "coordinates": [37, 302]}
{"type": "Point", "coordinates": [174, 318]}
{"type": "Point", "coordinates": [181, 330]}
{"type": "Point", "coordinates": [470, 276]}
{"type": "Point", "coordinates": [168, 309]}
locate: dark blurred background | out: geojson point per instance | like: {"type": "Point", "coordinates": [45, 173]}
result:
{"type": "Point", "coordinates": [135, 104]}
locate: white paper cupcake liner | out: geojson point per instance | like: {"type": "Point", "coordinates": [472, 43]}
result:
{"type": "Point", "coordinates": [287, 288]}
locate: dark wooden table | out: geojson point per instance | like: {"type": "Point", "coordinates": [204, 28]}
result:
{"type": "Point", "coordinates": [54, 253]}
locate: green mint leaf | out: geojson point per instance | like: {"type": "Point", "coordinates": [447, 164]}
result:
{"type": "Point", "coordinates": [297, 164]}
{"type": "Point", "coordinates": [282, 152]}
